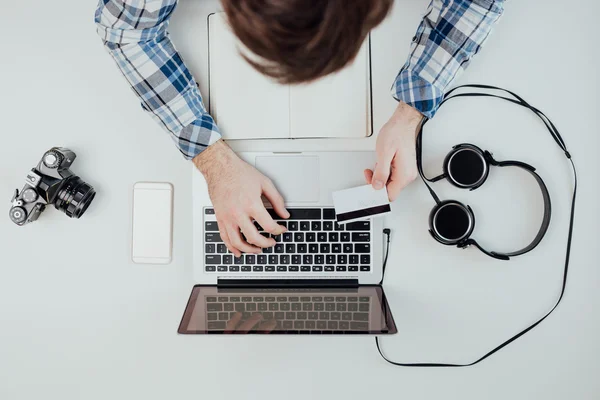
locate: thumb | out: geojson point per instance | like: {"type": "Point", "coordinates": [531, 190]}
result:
{"type": "Point", "coordinates": [381, 173]}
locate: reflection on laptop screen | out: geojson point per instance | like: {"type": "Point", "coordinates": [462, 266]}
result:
{"type": "Point", "coordinates": [361, 310]}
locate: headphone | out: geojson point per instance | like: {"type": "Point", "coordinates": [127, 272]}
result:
{"type": "Point", "coordinates": [467, 167]}
{"type": "Point", "coordinates": [452, 223]}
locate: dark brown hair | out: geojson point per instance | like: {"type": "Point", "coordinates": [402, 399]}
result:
{"type": "Point", "coordinates": [302, 40]}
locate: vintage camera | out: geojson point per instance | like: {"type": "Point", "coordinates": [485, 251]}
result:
{"type": "Point", "coordinates": [51, 182]}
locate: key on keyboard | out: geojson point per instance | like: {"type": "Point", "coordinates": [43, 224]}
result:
{"type": "Point", "coordinates": [314, 243]}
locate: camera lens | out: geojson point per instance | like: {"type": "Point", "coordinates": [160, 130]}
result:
{"type": "Point", "coordinates": [74, 197]}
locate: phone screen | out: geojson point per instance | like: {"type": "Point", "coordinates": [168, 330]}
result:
{"type": "Point", "coordinates": [152, 223]}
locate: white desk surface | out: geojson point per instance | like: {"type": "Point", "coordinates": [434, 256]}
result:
{"type": "Point", "coordinates": [78, 320]}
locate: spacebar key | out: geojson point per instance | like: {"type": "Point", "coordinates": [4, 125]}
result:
{"type": "Point", "coordinates": [299, 213]}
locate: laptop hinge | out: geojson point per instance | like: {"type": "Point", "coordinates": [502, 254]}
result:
{"type": "Point", "coordinates": [287, 283]}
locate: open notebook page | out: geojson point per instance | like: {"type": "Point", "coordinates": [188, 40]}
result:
{"type": "Point", "coordinates": [338, 105]}
{"type": "Point", "coordinates": [244, 103]}
{"type": "Point", "coordinates": [248, 105]}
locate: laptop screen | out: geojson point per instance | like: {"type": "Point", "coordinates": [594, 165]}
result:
{"type": "Point", "coordinates": [360, 310]}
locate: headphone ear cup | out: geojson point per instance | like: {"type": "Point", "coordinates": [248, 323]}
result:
{"type": "Point", "coordinates": [451, 222]}
{"type": "Point", "coordinates": [466, 166]}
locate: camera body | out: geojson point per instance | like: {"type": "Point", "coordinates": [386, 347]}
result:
{"type": "Point", "coordinates": [51, 182]}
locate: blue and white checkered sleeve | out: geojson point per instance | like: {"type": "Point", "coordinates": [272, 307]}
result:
{"type": "Point", "coordinates": [450, 35]}
{"type": "Point", "coordinates": [135, 34]}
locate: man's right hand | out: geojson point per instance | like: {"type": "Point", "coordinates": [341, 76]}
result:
{"type": "Point", "coordinates": [235, 189]}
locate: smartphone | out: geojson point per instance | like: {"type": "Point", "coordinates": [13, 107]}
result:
{"type": "Point", "coordinates": [152, 233]}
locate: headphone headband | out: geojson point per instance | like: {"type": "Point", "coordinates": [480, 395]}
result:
{"type": "Point", "coordinates": [547, 204]}
{"type": "Point", "coordinates": [487, 159]}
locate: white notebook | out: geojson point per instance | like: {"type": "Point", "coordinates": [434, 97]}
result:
{"type": "Point", "coordinates": [248, 105]}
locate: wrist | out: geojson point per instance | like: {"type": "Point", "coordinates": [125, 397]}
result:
{"type": "Point", "coordinates": [408, 116]}
{"type": "Point", "coordinates": [213, 159]}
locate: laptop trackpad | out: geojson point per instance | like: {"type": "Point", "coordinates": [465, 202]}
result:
{"type": "Point", "coordinates": [296, 177]}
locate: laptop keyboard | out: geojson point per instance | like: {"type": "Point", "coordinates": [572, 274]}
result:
{"type": "Point", "coordinates": [314, 243]}
{"type": "Point", "coordinates": [305, 314]}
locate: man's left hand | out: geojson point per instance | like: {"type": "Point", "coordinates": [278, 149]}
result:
{"type": "Point", "coordinates": [396, 164]}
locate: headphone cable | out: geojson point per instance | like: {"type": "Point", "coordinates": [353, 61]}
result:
{"type": "Point", "coordinates": [559, 140]}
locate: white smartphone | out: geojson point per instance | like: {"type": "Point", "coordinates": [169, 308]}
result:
{"type": "Point", "coordinates": [152, 236]}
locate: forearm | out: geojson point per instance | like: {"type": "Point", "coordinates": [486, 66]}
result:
{"type": "Point", "coordinates": [450, 35]}
{"type": "Point", "coordinates": [135, 34]}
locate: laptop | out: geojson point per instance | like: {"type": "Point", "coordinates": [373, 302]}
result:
{"type": "Point", "coordinates": [320, 278]}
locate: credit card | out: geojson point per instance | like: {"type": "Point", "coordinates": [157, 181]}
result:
{"type": "Point", "coordinates": [362, 202]}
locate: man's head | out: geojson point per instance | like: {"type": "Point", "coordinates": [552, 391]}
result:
{"type": "Point", "coordinates": [302, 40]}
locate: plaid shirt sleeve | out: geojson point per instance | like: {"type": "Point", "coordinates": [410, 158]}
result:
{"type": "Point", "coordinates": [450, 35]}
{"type": "Point", "coordinates": [135, 34]}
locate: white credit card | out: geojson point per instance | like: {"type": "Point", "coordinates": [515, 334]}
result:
{"type": "Point", "coordinates": [361, 202]}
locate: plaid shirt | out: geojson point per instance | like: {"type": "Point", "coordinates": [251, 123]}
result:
{"type": "Point", "coordinates": [451, 33]}
{"type": "Point", "coordinates": [135, 34]}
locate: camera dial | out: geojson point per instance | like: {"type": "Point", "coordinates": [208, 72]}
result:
{"type": "Point", "coordinates": [29, 195]}
{"type": "Point", "coordinates": [17, 215]}
{"type": "Point", "coordinates": [52, 159]}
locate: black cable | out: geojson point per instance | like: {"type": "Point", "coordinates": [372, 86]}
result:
{"type": "Point", "coordinates": [419, 156]}
{"type": "Point", "coordinates": [388, 233]}
{"type": "Point", "coordinates": [559, 140]}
